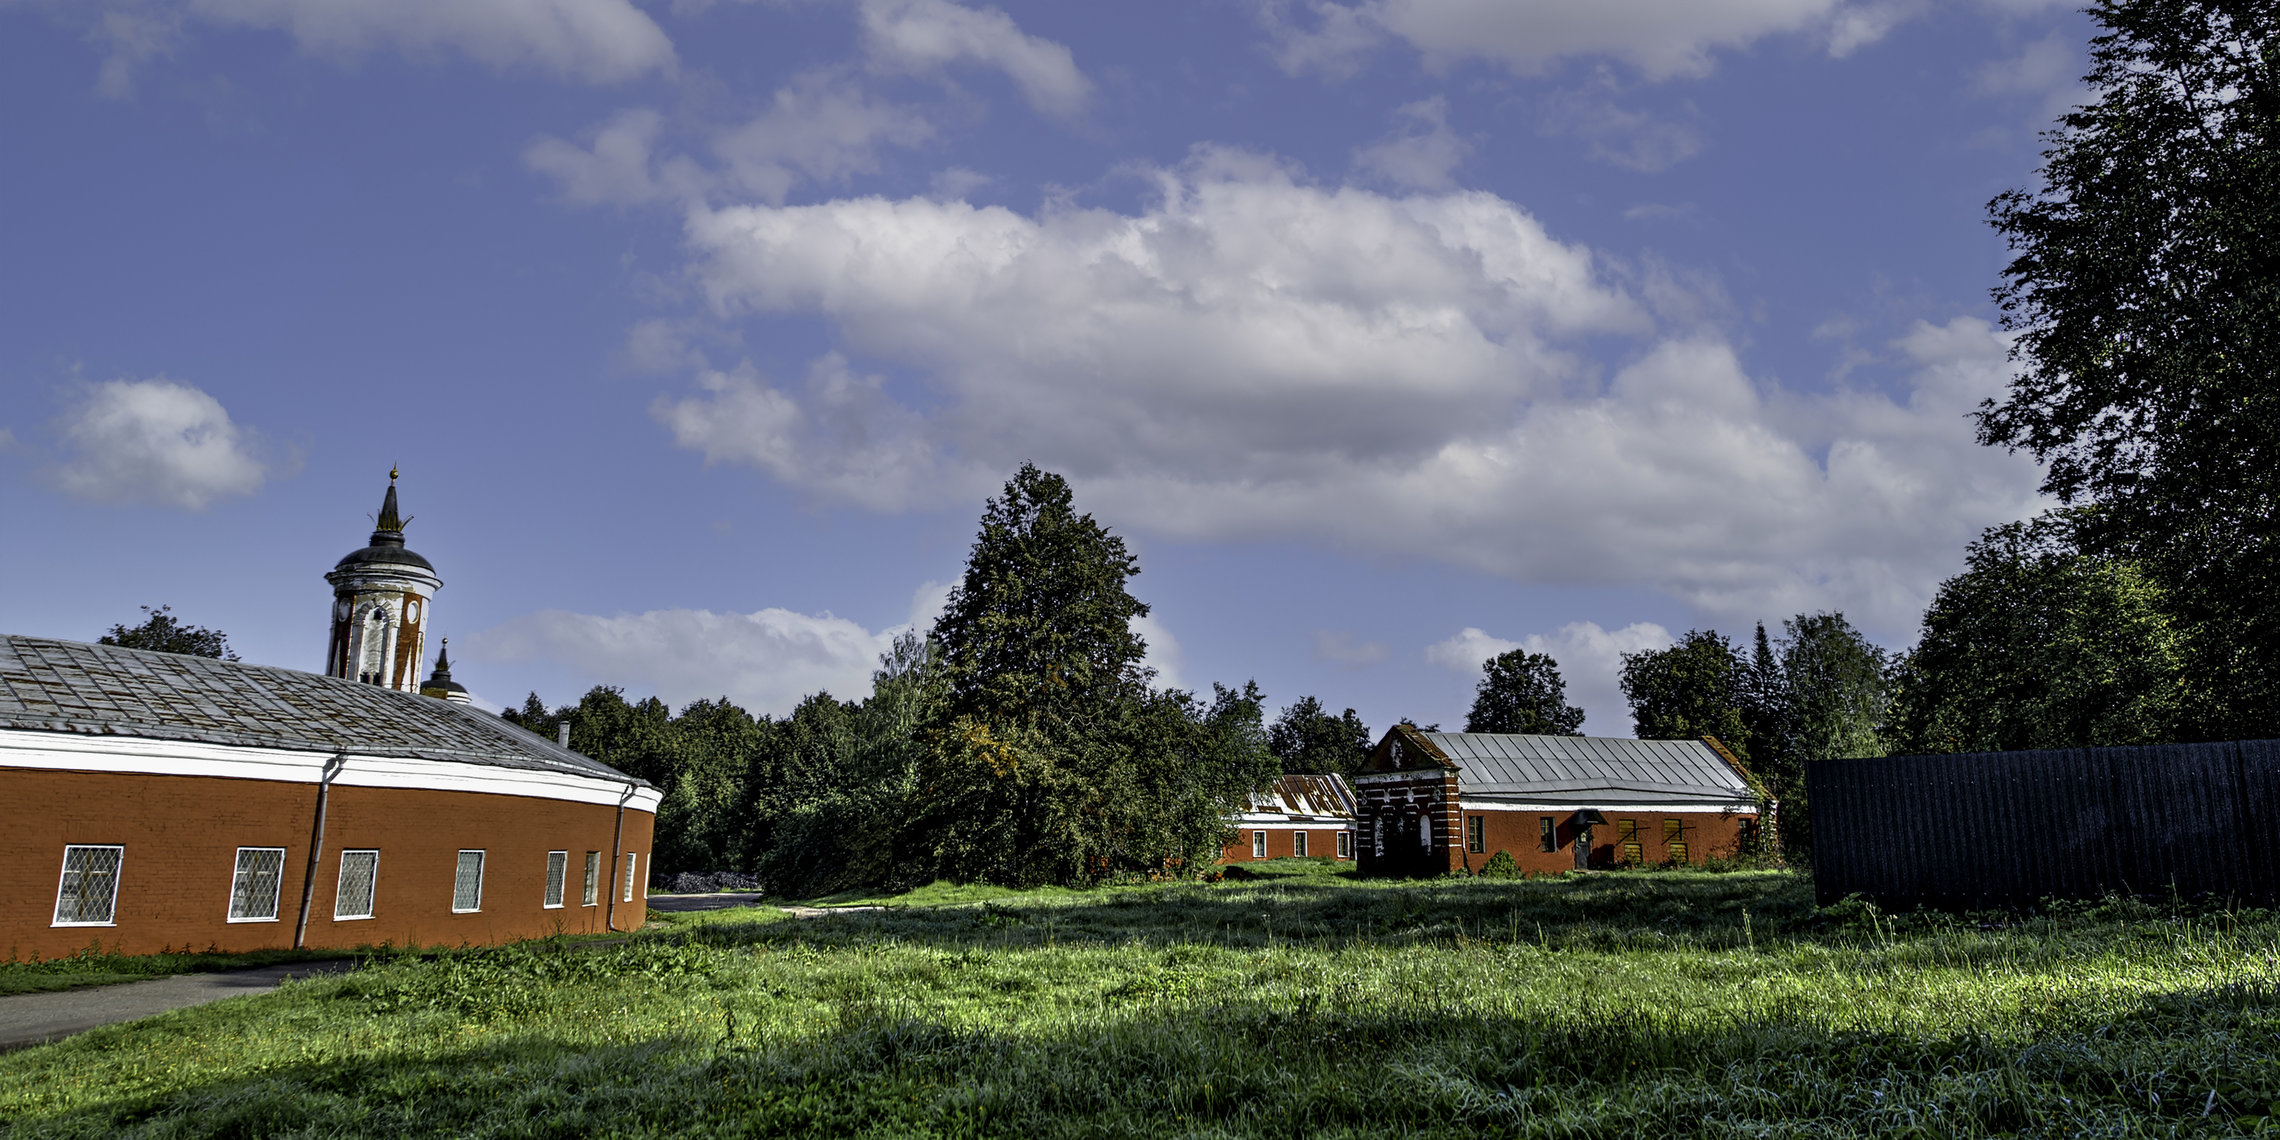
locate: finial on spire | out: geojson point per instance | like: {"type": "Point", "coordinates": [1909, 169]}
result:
{"type": "Point", "coordinates": [389, 525]}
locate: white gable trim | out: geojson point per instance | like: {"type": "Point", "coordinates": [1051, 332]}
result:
{"type": "Point", "coordinates": [63, 751]}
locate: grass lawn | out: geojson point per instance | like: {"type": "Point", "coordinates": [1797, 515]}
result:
{"type": "Point", "coordinates": [94, 967]}
{"type": "Point", "coordinates": [1302, 1003]}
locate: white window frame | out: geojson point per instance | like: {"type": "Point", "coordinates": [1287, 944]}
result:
{"type": "Point", "coordinates": [592, 894]}
{"type": "Point", "coordinates": [276, 887]}
{"type": "Point", "coordinates": [1258, 843]}
{"type": "Point", "coordinates": [1345, 844]}
{"type": "Point", "coordinates": [371, 892]}
{"type": "Point", "coordinates": [458, 869]}
{"type": "Point", "coordinates": [557, 878]}
{"type": "Point", "coordinates": [111, 906]}
{"type": "Point", "coordinates": [1298, 843]}
{"type": "Point", "coordinates": [632, 863]}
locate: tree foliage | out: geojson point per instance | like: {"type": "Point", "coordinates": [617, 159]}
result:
{"type": "Point", "coordinates": [162, 631]}
{"type": "Point", "coordinates": [1307, 740]}
{"type": "Point", "coordinates": [2036, 645]}
{"type": "Point", "coordinates": [2145, 295]}
{"type": "Point", "coordinates": [1522, 692]}
{"type": "Point", "coordinates": [1691, 689]}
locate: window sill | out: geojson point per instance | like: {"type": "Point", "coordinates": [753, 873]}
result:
{"type": "Point", "coordinates": [550, 906]}
{"type": "Point", "coordinates": [54, 925]}
{"type": "Point", "coordinates": [456, 910]}
{"type": "Point", "coordinates": [352, 918]}
{"type": "Point", "coordinates": [271, 918]}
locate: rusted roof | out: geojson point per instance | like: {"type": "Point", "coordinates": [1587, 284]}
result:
{"type": "Point", "coordinates": [109, 690]}
{"type": "Point", "coordinates": [1316, 797]}
{"type": "Point", "coordinates": [1512, 766]}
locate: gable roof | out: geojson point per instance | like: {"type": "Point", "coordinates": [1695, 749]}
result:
{"type": "Point", "coordinates": [1308, 797]}
{"type": "Point", "coordinates": [109, 690]}
{"type": "Point", "coordinates": [1594, 768]}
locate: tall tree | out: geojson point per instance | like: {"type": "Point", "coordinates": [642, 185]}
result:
{"type": "Point", "coordinates": [1522, 692]}
{"type": "Point", "coordinates": [1040, 625]}
{"type": "Point", "coordinates": [1306, 739]}
{"type": "Point", "coordinates": [2036, 645]}
{"type": "Point", "coordinates": [162, 631]}
{"type": "Point", "coordinates": [1053, 760]}
{"type": "Point", "coordinates": [1691, 689]}
{"type": "Point", "coordinates": [2145, 295]}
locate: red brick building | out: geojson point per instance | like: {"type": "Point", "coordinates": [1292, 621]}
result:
{"type": "Point", "coordinates": [151, 801]}
{"type": "Point", "coordinates": [1299, 816]}
{"type": "Point", "coordinates": [1429, 803]}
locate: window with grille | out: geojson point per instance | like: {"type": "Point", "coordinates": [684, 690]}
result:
{"type": "Point", "coordinates": [1475, 841]}
{"type": "Point", "coordinates": [1627, 832]}
{"type": "Point", "coordinates": [467, 884]}
{"type": "Point", "coordinates": [1258, 845]}
{"type": "Point", "coordinates": [557, 870]}
{"type": "Point", "coordinates": [1547, 833]}
{"type": "Point", "coordinates": [253, 893]}
{"type": "Point", "coordinates": [1677, 852]}
{"type": "Point", "coordinates": [1345, 845]}
{"type": "Point", "coordinates": [1298, 844]}
{"type": "Point", "coordinates": [89, 891]}
{"type": "Point", "coordinates": [1673, 830]}
{"type": "Point", "coordinates": [593, 892]}
{"type": "Point", "coordinates": [359, 876]}
{"type": "Point", "coordinates": [629, 865]}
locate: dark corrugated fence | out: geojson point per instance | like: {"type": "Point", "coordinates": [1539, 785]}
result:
{"type": "Point", "coordinates": [1992, 829]}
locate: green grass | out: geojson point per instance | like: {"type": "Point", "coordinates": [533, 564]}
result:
{"type": "Point", "coordinates": [1633, 1004]}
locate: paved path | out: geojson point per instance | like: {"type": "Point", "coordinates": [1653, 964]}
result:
{"type": "Point", "coordinates": [35, 1019]}
{"type": "Point", "coordinates": [682, 904]}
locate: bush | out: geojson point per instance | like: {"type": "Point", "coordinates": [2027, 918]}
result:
{"type": "Point", "coordinates": [1501, 866]}
{"type": "Point", "coordinates": [704, 882]}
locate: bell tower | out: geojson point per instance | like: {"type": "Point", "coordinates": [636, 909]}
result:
{"type": "Point", "coordinates": [380, 603]}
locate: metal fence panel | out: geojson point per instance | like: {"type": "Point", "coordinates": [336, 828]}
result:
{"type": "Point", "coordinates": [1996, 829]}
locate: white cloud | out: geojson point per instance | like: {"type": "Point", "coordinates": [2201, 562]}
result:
{"type": "Point", "coordinates": [817, 129]}
{"type": "Point", "coordinates": [1163, 655]}
{"type": "Point", "coordinates": [131, 39]}
{"type": "Point", "coordinates": [765, 661]}
{"type": "Point", "coordinates": [924, 36]}
{"type": "Point", "coordinates": [1421, 154]}
{"type": "Point", "coordinates": [1255, 356]}
{"type": "Point", "coordinates": [154, 441]}
{"type": "Point", "coordinates": [1661, 38]}
{"type": "Point", "coordinates": [1341, 648]}
{"type": "Point", "coordinates": [1590, 660]}
{"type": "Point", "coordinates": [1630, 139]}
{"type": "Point", "coordinates": [597, 41]}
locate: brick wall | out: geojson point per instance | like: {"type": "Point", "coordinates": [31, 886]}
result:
{"type": "Point", "coordinates": [182, 833]}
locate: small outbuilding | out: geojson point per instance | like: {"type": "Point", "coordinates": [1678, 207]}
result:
{"type": "Point", "coordinates": [1429, 803]}
{"type": "Point", "coordinates": [1298, 816]}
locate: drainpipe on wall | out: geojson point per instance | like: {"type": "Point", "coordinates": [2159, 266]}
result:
{"type": "Point", "coordinates": [316, 845]}
{"type": "Point", "coordinates": [617, 866]}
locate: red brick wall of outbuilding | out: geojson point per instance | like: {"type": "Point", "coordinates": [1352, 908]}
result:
{"type": "Point", "coordinates": [1707, 835]}
{"type": "Point", "coordinates": [181, 835]}
{"type": "Point", "coordinates": [1320, 841]}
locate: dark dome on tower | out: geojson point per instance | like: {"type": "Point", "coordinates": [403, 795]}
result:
{"type": "Point", "coordinates": [387, 541]}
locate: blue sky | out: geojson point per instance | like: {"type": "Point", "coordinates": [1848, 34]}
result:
{"type": "Point", "coordinates": [1391, 333]}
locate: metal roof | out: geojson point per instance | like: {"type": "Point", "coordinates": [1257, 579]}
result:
{"type": "Point", "coordinates": [1499, 764]}
{"type": "Point", "coordinates": [1321, 797]}
{"type": "Point", "coordinates": [109, 690]}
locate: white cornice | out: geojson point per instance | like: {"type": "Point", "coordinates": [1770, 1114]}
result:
{"type": "Point", "coordinates": [58, 751]}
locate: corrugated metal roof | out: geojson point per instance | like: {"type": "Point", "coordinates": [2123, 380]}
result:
{"type": "Point", "coordinates": [107, 690]}
{"type": "Point", "coordinates": [1498, 764]}
{"type": "Point", "coordinates": [1317, 797]}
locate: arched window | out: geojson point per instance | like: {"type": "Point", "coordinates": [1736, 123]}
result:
{"type": "Point", "coordinates": [375, 646]}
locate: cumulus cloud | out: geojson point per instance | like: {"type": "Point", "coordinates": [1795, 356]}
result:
{"type": "Point", "coordinates": [765, 661]}
{"type": "Point", "coordinates": [1164, 654]}
{"type": "Point", "coordinates": [925, 36]}
{"type": "Point", "coordinates": [1619, 136]}
{"type": "Point", "coordinates": [596, 41]}
{"type": "Point", "coordinates": [1341, 648]}
{"type": "Point", "coordinates": [154, 441]}
{"type": "Point", "coordinates": [1252, 355]}
{"type": "Point", "coordinates": [130, 39]}
{"type": "Point", "coordinates": [818, 129]}
{"type": "Point", "coordinates": [1421, 153]}
{"type": "Point", "coordinates": [1590, 660]}
{"type": "Point", "coordinates": [1661, 38]}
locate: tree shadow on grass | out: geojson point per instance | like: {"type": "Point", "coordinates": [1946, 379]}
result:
{"type": "Point", "coordinates": [2183, 1063]}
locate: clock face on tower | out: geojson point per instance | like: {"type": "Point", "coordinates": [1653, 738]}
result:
{"type": "Point", "coordinates": [412, 612]}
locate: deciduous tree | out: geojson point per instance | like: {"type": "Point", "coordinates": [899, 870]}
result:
{"type": "Point", "coordinates": [162, 631]}
{"type": "Point", "coordinates": [1306, 739]}
{"type": "Point", "coordinates": [1523, 692]}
